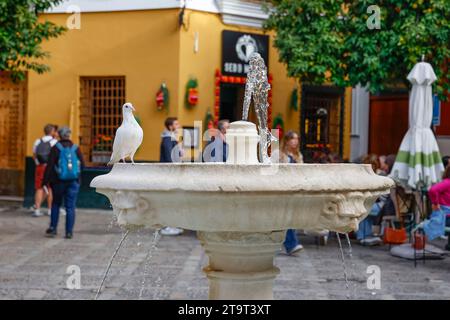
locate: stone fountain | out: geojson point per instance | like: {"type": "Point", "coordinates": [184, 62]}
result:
{"type": "Point", "coordinates": [241, 209]}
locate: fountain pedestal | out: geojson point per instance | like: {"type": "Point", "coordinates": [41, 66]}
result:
{"type": "Point", "coordinates": [241, 263]}
{"type": "Point", "coordinates": [241, 209]}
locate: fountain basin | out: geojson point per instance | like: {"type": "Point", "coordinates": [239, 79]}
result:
{"type": "Point", "coordinates": [241, 211]}
{"type": "Point", "coordinates": [246, 198]}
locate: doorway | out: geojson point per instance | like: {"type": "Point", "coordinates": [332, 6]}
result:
{"type": "Point", "coordinates": [322, 120]}
{"type": "Point", "coordinates": [231, 102]}
{"type": "Point", "coordinates": [12, 135]}
{"type": "Point", "coordinates": [388, 122]}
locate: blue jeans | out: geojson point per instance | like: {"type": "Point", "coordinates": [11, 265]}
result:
{"type": "Point", "coordinates": [435, 226]}
{"type": "Point", "coordinates": [69, 192]}
{"type": "Point", "coordinates": [365, 228]}
{"type": "Point", "coordinates": [291, 241]}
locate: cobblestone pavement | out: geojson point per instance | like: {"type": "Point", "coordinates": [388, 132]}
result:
{"type": "Point", "coordinates": [34, 267]}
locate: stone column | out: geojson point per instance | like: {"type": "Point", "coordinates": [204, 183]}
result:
{"type": "Point", "coordinates": [241, 264]}
{"type": "Point", "coordinates": [242, 138]}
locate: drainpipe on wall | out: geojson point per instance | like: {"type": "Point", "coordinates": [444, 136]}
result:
{"type": "Point", "coordinates": [360, 122]}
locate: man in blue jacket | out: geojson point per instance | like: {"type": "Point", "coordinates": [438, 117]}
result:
{"type": "Point", "coordinates": [170, 151]}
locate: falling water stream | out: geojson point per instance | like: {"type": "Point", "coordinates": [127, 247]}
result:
{"type": "Point", "coordinates": [124, 236]}
{"type": "Point", "coordinates": [347, 285]}
{"type": "Point", "coordinates": [156, 237]}
{"type": "Point", "coordinates": [352, 263]}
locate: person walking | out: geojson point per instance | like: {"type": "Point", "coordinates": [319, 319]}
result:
{"type": "Point", "coordinates": [289, 153]}
{"type": "Point", "coordinates": [170, 151]}
{"type": "Point", "coordinates": [41, 153]}
{"type": "Point", "coordinates": [63, 173]}
{"type": "Point", "coordinates": [216, 150]}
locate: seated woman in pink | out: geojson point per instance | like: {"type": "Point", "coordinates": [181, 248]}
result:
{"type": "Point", "coordinates": [440, 200]}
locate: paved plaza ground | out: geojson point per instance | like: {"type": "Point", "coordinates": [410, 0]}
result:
{"type": "Point", "coordinates": [34, 267]}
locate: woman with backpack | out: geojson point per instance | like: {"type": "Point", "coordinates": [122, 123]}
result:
{"type": "Point", "coordinates": [63, 175]}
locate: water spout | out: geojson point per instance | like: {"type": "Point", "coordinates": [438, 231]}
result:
{"type": "Point", "coordinates": [125, 235]}
{"type": "Point", "coordinates": [257, 86]}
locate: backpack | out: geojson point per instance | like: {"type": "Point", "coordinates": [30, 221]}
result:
{"type": "Point", "coordinates": [68, 164]}
{"type": "Point", "coordinates": [43, 151]}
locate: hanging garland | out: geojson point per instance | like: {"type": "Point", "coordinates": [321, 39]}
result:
{"type": "Point", "coordinates": [278, 123]}
{"type": "Point", "coordinates": [191, 97]}
{"type": "Point", "coordinates": [162, 98]}
{"type": "Point", "coordinates": [217, 83]}
{"type": "Point", "coordinates": [209, 120]}
{"type": "Point", "coordinates": [294, 100]}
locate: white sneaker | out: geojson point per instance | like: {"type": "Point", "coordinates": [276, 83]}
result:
{"type": "Point", "coordinates": [372, 241]}
{"type": "Point", "coordinates": [443, 237]}
{"type": "Point", "coordinates": [49, 212]}
{"type": "Point", "coordinates": [294, 251]}
{"type": "Point", "coordinates": [169, 231]}
{"type": "Point", "coordinates": [37, 213]}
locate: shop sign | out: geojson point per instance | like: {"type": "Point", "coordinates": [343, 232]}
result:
{"type": "Point", "coordinates": [237, 48]}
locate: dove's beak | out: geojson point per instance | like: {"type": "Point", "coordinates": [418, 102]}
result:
{"type": "Point", "coordinates": [132, 108]}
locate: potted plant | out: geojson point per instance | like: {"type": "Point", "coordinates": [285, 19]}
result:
{"type": "Point", "coordinates": [101, 148]}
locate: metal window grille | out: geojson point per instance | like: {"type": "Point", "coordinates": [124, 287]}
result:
{"type": "Point", "coordinates": [100, 115]}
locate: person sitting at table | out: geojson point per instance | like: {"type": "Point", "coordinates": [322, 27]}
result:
{"type": "Point", "coordinates": [439, 193]}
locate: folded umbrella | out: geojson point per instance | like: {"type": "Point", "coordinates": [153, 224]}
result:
{"type": "Point", "coordinates": [418, 163]}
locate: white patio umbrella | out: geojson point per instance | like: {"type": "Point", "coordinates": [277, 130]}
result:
{"type": "Point", "coordinates": [418, 163]}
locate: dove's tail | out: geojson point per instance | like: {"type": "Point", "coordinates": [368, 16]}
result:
{"type": "Point", "coordinates": [114, 159]}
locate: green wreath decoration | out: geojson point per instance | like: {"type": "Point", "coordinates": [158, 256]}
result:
{"type": "Point", "coordinates": [191, 95]}
{"type": "Point", "coordinates": [278, 123]}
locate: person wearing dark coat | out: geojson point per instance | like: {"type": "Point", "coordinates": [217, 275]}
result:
{"type": "Point", "coordinates": [170, 152]}
{"type": "Point", "coordinates": [66, 190]}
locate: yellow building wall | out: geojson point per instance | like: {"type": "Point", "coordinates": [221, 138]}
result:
{"type": "Point", "coordinates": [203, 64]}
{"type": "Point", "coordinates": [147, 47]}
{"type": "Point", "coordinates": [143, 46]}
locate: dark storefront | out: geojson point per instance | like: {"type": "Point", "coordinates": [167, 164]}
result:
{"type": "Point", "coordinates": [322, 120]}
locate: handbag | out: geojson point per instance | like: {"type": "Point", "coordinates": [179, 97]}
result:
{"type": "Point", "coordinates": [419, 241]}
{"type": "Point", "coordinates": [394, 236]}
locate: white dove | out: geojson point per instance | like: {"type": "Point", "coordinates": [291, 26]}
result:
{"type": "Point", "coordinates": [128, 136]}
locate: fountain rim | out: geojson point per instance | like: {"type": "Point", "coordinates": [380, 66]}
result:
{"type": "Point", "coordinates": [257, 165]}
{"type": "Point", "coordinates": [176, 177]}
